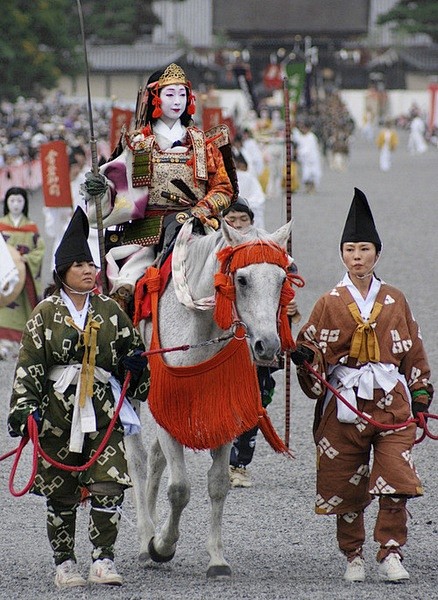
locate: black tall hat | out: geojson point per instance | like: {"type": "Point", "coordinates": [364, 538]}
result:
{"type": "Point", "coordinates": [359, 226]}
{"type": "Point", "coordinates": [74, 246]}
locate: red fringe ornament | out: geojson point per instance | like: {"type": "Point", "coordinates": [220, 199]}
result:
{"type": "Point", "coordinates": [156, 103]}
{"type": "Point", "coordinates": [209, 404]}
{"type": "Point", "coordinates": [150, 282]}
{"type": "Point", "coordinates": [225, 298]}
{"type": "Point", "coordinates": [287, 294]}
{"type": "Point", "coordinates": [191, 106]}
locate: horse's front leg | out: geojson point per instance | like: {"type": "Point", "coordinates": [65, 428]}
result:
{"type": "Point", "coordinates": [218, 487]}
{"type": "Point", "coordinates": [137, 458]}
{"type": "Point", "coordinates": [163, 546]}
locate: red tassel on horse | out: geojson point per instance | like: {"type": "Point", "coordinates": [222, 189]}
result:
{"type": "Point", "coordinates": [225, 298]}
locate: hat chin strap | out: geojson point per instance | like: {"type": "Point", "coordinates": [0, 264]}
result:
{"type": "Point", "coordinates": [76, 291]}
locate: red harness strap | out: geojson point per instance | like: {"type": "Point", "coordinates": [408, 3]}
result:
{"type": "Point", "coordinates": [206, 405]}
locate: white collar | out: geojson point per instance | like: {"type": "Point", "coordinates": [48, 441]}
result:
{"type": "Point", "coordinates": [79, 317]}
{"type": "Point", "coordinates": [16, 220]}
{"type": "Point", "coordinates": [365, 305]}
{"type": "Point", "coordinates": [172, 134]}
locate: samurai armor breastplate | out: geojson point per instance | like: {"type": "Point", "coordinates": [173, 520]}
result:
{"type": "Point", "coordinates": [165, 167]}
{"type": "Point", "coordinates": [156, 169]}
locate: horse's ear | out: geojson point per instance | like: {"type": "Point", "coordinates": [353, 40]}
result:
{"type": "Point", "coordinates": [231, 235]}
{"type": "Point", "coordinates": [282, 235]}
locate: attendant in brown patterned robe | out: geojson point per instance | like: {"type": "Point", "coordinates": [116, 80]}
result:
{"type": "Point", "coordinates": [362, 337]}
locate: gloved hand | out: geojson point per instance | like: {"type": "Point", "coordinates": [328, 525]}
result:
{"type": "Point", "coordinates": [418, 406]}
{"type": "Point", "coordinates": [37, 418]}
{"type": "Point", "coordinates": [302, 354]}
{"type": "Point", "coordinates": [201, 212]}
{"type": "Point", "coordinates": [136, 363]}
{"type": "Point", "coordinates": [95, 185]}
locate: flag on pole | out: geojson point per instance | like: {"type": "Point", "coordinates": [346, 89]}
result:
{"type": "Point", "coordinates": [211, 117]}
{"type": "Point", "coordinates": [55, 174]}
{"type": "Point", "coordinates": [295, 74]}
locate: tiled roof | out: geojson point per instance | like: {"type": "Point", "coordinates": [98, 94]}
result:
{"type": "Point", "coordinates": [423, 59]}
{"type": "Point", "coordinates": [137, 57]}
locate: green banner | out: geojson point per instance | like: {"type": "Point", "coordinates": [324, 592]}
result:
{"type": "Point", "coordinates": [296, 73]}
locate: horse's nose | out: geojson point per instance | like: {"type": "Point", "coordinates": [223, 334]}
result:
{"type": "Point", "coordinates": [266, 349]}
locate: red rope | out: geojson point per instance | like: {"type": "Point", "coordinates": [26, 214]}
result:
{"type": "Point", "coordinates": [38, 451]}
{"type": "Point", "coordinates": [420, 420]}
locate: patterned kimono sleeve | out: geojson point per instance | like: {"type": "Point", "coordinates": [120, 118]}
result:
{"type": "Point", "coordinates": [139, 386]}
{"type": "Point", "coordinates": [116, 176]}
{"type": "Point", "coordinates": [27, 390]}
{"type": "Point", "coordinates": [309, 336]}
{"type": "Point", "coordinates": [220, 190]}
{"type": "Point", "coordinates": [415, 365]}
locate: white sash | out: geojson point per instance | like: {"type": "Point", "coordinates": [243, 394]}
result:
{"type": "Point", "coordinates": [365, 379]}
{"type": "Point", "coordinates": [84, 419]}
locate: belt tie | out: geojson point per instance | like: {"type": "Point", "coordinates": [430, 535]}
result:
{"type": "Point", "coordinates": [364, 343]}
{"type": "Point", "coordinates": [88, 340]}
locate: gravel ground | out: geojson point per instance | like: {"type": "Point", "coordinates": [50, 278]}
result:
{"type": "Point", "coordinates": [277, 547]}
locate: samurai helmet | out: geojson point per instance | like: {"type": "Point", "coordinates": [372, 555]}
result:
{"type": "Point", "coordinates": [150, 107]}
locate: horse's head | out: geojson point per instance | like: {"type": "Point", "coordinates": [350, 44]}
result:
{"type": "Point", "coordinates": [258, 280]}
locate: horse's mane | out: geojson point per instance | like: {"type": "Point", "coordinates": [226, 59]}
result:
{"type": "Point", "coordinates": [202, 247]}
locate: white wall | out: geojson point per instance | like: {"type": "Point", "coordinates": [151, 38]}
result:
{"type": "Point", "coordinates": [399, 102]}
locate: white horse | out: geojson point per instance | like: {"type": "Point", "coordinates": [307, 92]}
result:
{"type": "Point", "coordinates": [257, 296]}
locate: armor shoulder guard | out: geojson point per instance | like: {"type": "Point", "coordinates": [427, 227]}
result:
{"type": "Point", "coordinates": [219, 135]}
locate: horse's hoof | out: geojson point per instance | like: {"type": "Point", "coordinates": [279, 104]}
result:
{"type": "Point", "coordinates": [219, 572]}
{"type": "Point", "coordinates": [159, 558]}
{"type": "Point", "coordinates": [144, 558]}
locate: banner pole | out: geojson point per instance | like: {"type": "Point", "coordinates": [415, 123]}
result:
{"type": "Point", "coordinates": [94, 160]}
{"type": "Point", "coordinates": [288, 145]}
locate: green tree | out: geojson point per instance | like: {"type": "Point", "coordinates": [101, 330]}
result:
{"type": "Point", "coordinates": [118, 21]}
{"type": "Point", "coordinates": [37, 45]}
{"type": "Point", "coordinates": [40, 40]}
{"type": "Point", "coordinates": [411, 17]}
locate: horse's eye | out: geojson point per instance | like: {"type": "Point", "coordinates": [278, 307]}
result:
{"type": "Point", "coordinates": [241, 280]}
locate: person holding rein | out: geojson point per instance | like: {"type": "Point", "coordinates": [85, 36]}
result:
{"type": "Point", "coordinates": [76, 350]}
{"type": "Point", "coordinates": [240, 216]}
{"type": "Point", "coordinates": [362, 337]}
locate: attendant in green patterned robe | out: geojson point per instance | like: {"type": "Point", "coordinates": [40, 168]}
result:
{"type": "Point", "coordinates": [20, 233]}
{"type": "Point", "coordinates": [70, 366]}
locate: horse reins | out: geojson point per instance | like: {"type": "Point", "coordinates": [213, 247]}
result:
{"type": "Point", "coordinates": [420, 421]}
{"type": "Point", "coordinates": [33, 434]}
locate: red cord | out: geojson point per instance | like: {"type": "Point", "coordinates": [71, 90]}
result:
{"type": "Point", "coordinates": [420, 420]}
{"type": "Point", "coordinates": [38, 451]}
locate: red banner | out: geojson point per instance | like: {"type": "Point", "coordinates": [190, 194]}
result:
{"type": "Point", "coordinates": [273, 77]}
{"type": "Point", "coordinates": [119, 117]}
{"type": "Point", "coordinates": [211, 117]}
{"type": "Point", "coordinates": [56, 174]}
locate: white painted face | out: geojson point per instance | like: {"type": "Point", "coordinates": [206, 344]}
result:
{"type": "Point", "coordinates": [173, 103]}
{"type": "Point", "coordinates": [16, 204]}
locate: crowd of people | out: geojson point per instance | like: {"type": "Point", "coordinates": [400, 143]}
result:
{"type": "Point", "coordinates": [28, 123]}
